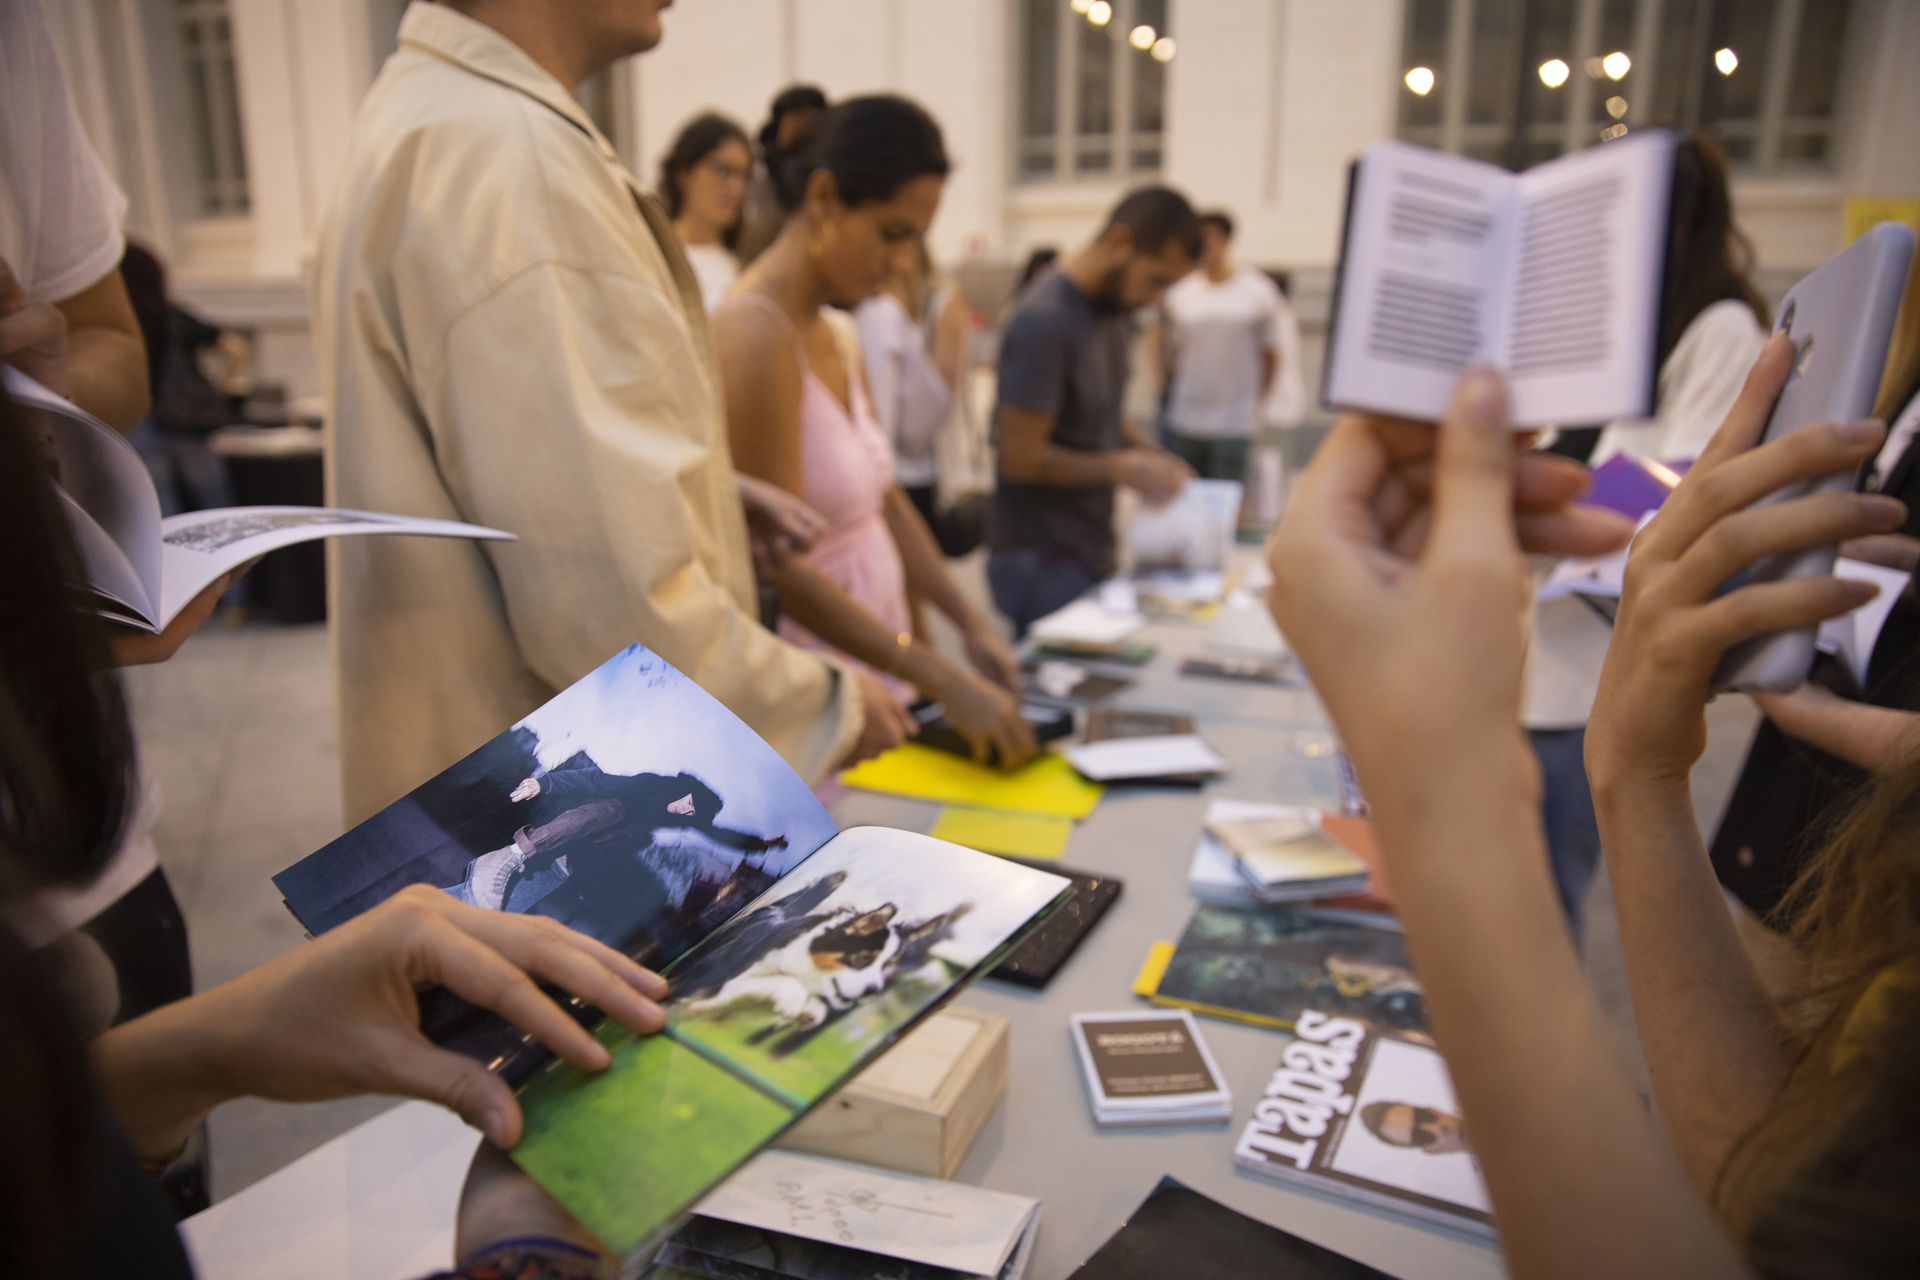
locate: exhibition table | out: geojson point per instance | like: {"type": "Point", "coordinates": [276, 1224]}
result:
{"type": "Point", "coordinates": [377, 1202]}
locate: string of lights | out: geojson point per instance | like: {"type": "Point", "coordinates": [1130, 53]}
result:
{"type": "Point", "coordinates": [1099, 13]}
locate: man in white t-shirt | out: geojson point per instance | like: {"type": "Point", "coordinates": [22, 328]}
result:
{"type": "Point", "coordinates": [64, 314]}
{"type": "Point", "coordinates": [1229, 341]}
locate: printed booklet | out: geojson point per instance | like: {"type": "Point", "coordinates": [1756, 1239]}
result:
{"type": "Point", "coordinates": [810, 1218]}
{"type": "Point", "coordinates": [1265, 965]}
{"type": "Point", "coordinates": [1552, 276]}
{"type": "Point", "coordinates": [142, 569]}
{"type": "Point", "coordinates": [637, 809]}
{"type": "Point", "coordinates": [1370, 1114]}
{"type": "Point", "coordinates": [1148, 1068]}
{"type": "Point", "coordinates": [1176, 1231]}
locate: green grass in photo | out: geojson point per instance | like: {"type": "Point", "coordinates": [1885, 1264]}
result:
{"type": "Point", "coordinates": [753, 1038]}
{"type": "Point", "coordinates": [629, 1148]}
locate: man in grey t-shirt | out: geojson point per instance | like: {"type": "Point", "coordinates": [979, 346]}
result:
{"type": "Point", "coordinates": [1064, 441]}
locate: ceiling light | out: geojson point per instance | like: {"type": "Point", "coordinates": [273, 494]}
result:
{"type": "Point", "coordinates": [1099, 13]}
{"type": "Point", "coordinates": [1142, 36]}
{"type": "Point", "coordinates": [1553, 73]}
{"type": "Point", "coordinates": [1420, 80]}
{"type": "Point", "coordinates": [1616, 65]}
{"type": "Point", "coordinates": [1726, 60]}
{"type": "Point", "coordinates": [1163, 49]}
{"type": "Point", "coordinates": [1617, 107]}
{"type": "Point", "coordinates": [1080, 6]}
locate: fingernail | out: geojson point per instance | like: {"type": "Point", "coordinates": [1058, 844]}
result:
{"type": "Point", "coordinates": [1859, 432]}
{"type": "Point", "coordinates": [1858, 591]}
{"type": "Point", "coordinates": [497, 1126]}
{"type": "Point", "coordinates": [1882, 506]}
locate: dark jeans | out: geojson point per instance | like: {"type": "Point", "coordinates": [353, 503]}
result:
{"type": "Point", "coordinates": [1028, 585]}
{"type": "Point", "coordinates": [1573, 835]}
{"type": "Point", "coordinates": [1211, 458]}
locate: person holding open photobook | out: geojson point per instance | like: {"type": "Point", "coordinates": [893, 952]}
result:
{"type": "Point", "coordinates": [1401, 580]}
{"type": "Point", "coordinates": [91, 1116]}
{"type": "Point", "coordinates": [507, 328]}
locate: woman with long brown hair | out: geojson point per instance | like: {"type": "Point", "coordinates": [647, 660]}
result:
{"type": "Point", "coordinates": [1401, 581]}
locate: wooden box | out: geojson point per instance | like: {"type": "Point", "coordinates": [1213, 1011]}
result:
{"type": "Point", "coordinates": [918, 1108]}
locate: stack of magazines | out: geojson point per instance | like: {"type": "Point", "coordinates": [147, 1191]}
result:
{"type": "Point", "coordinates": [1267, 853]}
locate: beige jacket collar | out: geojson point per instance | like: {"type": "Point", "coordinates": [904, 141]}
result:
{"type": "Point", "coordinates": [475, 47]}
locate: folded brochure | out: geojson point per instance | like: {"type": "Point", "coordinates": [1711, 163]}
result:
{"type": "Point", "coordinates": [1177, 1231]}
{"type": "Point", "coordinates": [854, 1217]}
{"type": "Point", "coordinates": [637, 809]}
{"type": "Point", "coordinates": [141, 569]}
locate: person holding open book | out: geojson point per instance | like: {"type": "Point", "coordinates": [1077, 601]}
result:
{"type": "Point", "coordinates": [508, 329]}
{"type": "Point", "coordinates": [84, 1112]}
{"type": "Point", "coordinates": [1400, 578]}
{"type": "Point", "coordinates": [1712, 326]}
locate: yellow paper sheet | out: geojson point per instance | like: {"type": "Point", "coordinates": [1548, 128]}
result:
{"type": "Point", "coordinates": [1022, 835]}
{"type": "Point", "coordinates": [1047, 785]}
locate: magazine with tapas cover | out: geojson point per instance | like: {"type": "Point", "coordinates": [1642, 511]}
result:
{"type": "Point", "coordinates": [1370, 1114]}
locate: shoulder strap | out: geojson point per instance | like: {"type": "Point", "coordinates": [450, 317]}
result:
{"type": "Point", "coordinates": [780, 317]}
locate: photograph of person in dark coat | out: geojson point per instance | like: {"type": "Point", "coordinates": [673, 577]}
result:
{"type": "Point", "coordinates": [579, 857]}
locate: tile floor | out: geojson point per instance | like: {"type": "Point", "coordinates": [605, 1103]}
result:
{"type": "Point", "coordinates": [238, 731]}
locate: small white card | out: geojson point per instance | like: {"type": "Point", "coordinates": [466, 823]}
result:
{"type": "Point", "coordinates": [1160, 756]}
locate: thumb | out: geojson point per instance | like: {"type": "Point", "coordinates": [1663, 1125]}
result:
{"type": "Point", "coordinates": [1473, 468]}
{"type": "Point", "coordinates": [416, 1069]}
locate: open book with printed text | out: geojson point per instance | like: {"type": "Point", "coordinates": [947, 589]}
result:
{"type": "Point", "coordinates": [1553, 276]}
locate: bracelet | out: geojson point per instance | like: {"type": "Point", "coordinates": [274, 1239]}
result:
{"type": "Point", "coordinates": [903, 643]}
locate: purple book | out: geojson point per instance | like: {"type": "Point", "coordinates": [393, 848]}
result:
{"type": "Point", "coordinates": [1633, 486]}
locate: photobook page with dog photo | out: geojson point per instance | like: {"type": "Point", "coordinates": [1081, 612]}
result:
{"type": "Point", "coordinates": [635, 808]}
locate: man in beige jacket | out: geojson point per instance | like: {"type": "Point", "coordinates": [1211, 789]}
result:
{"type": "Point", "coordinates": [509, 334]}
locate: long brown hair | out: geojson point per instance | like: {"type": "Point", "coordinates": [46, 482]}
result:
{"type": "Point", "coordinates": [64, 755]}
{"type": "Point", "coordinates": [1828, 1183]}
{"type": "Point", "coordinates": [1709, 259]}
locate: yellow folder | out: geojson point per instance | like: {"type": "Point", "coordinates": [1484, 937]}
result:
{"type": "Point", "coordinates": [1045, 785]}
{"type": "Point", "coordinates": [1022, 835]}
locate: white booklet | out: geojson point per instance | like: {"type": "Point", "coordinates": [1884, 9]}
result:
{"type": "Point", "coordinates": [963, 1230]}
{"type": "Point", "coordinates": [1552, 275]}
{"type": "Point", "coordinates": [1149, 1068]}
{"type": "Point", "coordinates": [1159, 756]}
{"type": "Point", "coordinates": [143, 569]}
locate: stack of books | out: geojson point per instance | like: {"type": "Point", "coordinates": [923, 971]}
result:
{"type": "Point", "coordinates": [1266, 853]}
{"type": "Point", "coordinates": [1149, 1068]}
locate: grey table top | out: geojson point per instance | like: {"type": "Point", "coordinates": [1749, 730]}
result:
{"type": "Point", "coordinates": [1042, 1141]}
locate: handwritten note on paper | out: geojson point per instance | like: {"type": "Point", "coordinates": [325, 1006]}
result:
{"type": "Point", "coordinates": [941, 1224]}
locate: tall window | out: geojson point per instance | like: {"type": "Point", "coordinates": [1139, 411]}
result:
{"type": "Point", "coordinates": [1092, 88]}
{"type": "Point", "coordinates": [206, 46]}
{"type": "Point", "coordinates": [1519, 81]}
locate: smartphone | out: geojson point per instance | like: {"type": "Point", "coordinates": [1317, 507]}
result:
{"type": "Point", "coordinates": [1840, 319]}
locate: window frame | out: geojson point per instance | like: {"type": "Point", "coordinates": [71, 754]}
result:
{"type": "Point", "coordinates": [1067, 145]}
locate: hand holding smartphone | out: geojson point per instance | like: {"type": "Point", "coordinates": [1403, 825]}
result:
{"type": "Point", "coordinates": [1840, 319]}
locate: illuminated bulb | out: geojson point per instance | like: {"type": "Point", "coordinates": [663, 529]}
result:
{"type": "Point", "coordinates": [1616, 65]}
{"type": "Point", "coordinates": [1141, 37]}
{"type": "Point", "coordinates": [1553, 73]}
{"type": "Point", "coordinates": [1099, 13]}
{"type": "Point", "coordinates": [1080, 6]}
{"type": "Point", "coordinates": [1594, 69]}
{"type": "Point", "coordinates": [1726, 60]}
{"type": "Point", "coordinates": [1613, 131]}
{"type": "Point", "coordinates": [1163, 49]}
{"type": "Point", "coordinates": [1616, 107]}
{"type": "Point", "coordinates": [1420, 80]}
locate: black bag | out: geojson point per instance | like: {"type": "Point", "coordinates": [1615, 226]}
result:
{"type": "Point", "coordinates": [185, 403]}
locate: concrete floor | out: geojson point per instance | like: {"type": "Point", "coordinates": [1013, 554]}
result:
{"type": "Point", "coordinates": [238, 730]}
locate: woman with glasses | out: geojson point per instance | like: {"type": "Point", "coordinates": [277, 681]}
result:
{"type": "Point", "coordinates": [703, 182]}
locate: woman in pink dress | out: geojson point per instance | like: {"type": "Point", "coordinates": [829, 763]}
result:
{"type": "Point", "coordinates": [860, 190]}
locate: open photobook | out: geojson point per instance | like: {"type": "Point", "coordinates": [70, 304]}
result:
{"type": "Point", "coordinates": [1552, 276]}
{"type": "Point", "coordinates": [637, 809]}
{"type": "Point", "coordinates": [1369, 1114]}
{"type": "Point", "coordinates": [141, 569]}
